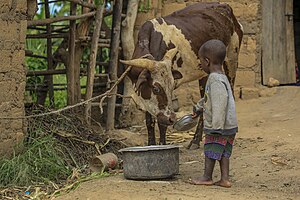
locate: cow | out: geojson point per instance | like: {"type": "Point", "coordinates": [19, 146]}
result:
{"type": "Point", "coordinates": [166, 56]}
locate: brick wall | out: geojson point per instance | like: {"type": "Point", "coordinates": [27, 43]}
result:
{"type": "Point", "coordinates": [13, 27]}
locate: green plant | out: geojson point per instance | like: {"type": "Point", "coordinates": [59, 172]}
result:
{"type": "Point", "coordinates": [40, 162]}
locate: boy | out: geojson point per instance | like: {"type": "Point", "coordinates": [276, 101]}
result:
{"type": "Point", "coordinates": [218, 107]}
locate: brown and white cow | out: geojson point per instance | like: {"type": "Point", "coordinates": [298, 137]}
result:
{"type": "Point", "coordinates": [166, 56]}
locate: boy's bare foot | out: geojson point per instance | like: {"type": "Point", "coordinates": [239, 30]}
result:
{"type": "Point", "coordinates": [223, 183]}
{"type": "Point", "coordinates": [201, 181]}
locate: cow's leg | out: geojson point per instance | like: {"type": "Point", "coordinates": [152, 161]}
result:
{"type": "Point", "coordinates": [150, 123]}
{"type": "Point", "coordinates": [195, 143]}
{"type": "Point", "coordinates": [162, 133]}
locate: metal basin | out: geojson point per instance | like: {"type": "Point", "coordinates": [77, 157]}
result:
{"type": "Point", "coordinates": [185, 123]}
{"type": "Point", "coordinates": [150, 162]}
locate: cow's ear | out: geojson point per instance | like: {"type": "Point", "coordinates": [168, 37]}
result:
{"type": "Point", "coordinates": [176, 74]}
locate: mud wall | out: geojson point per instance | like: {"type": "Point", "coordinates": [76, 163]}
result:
{"type": "Point", "coordinates": [13, 27]}
{"type": "Point", "coordinates": [249, 15]}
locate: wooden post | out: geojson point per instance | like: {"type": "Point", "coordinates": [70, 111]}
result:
{"type": "Point", "coordinates": [92, 63]}
{"type": "Point", "coordinates": [49, 57]}
{"type": "Point", "coordinates": [128, 48]}
{"type": "Point", "coordinates": [70, 67]}
{"type": "Point", "coordinates": [114, 52]}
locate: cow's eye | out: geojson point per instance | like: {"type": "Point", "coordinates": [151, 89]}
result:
{"type": "Point", "coordinates": [156, 90]}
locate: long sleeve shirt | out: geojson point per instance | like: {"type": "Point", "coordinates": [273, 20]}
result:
{"type": "Point", "coordinates": [218, 106]}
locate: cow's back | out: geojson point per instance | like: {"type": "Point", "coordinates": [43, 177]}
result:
{"type": "Point", "coordinates": [187, 29]}
{"type": "Point", "coordinates": [201, 22]}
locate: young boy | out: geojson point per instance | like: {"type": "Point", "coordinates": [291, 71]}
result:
{"type": "Point", "coordinates": [218, 107]}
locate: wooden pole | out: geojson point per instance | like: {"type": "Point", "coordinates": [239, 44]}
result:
{"type": "Point", "coordinates": [70, 67]}
{"type": "Point", "coordinates": [49, 56]}
{"type": "Point", "coordinates": [42, 22]}
{"type": "Point", "coordinates": [92, 63]}
{"type": "Point", "coordinates": [114, 53]}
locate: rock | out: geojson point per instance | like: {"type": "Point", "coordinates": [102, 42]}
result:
{"type": "Point", "coordinates": [273, 82]}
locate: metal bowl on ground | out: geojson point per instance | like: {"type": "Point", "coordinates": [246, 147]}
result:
{"type": "Point", "coordinates": [185, 123]}
{"type": "Point", "coordinates": [150, 162]}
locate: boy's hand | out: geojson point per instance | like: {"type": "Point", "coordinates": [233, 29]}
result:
{"type": "Point", "coordinates": [194, 115]}
{"type": "Point", "coordinates": [196, 112]}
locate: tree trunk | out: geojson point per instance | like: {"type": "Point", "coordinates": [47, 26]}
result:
{"type": "Point", "coordinates": [128, 48]}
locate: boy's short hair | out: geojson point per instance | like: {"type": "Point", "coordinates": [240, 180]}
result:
{"type": "Point", "coordinates": [214, 50]}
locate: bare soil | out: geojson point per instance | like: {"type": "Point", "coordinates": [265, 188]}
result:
{"type": "Point", "coordinates": [265, 163]}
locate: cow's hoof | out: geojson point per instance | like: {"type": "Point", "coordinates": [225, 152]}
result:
{"type": "Point", "coordinates": [194, 146]}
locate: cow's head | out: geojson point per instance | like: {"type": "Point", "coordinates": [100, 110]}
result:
{"type": "Point", "coordinates": [155, 85]}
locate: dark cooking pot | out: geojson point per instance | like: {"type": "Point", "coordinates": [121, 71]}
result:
{"type": "Point", "coordinates": [150, 162]}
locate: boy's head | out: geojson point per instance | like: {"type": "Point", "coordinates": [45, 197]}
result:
{"type": "Point", "coordinates": [212, 53]}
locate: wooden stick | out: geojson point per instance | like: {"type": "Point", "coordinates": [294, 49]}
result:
{"type": "Point", "coordinates": [42, 22]}
{"type": "Point", "coordinates": [70, 68]}
{"type": "Point", "coordinates": [92, 64]}
{"type": "Point", "coordinates": [114, 53]}
{"type": "Point", "coordinates": [49, 79]}
{"type": "Point", "coordinates": [46, 72]}
{"type": "Point", "coordinates": [82, 3]}
{"type": "Point", "coordinates": [47, 35]}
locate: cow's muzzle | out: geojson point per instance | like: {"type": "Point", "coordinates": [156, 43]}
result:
{"type": "Point", "coordinates": [166, 120]}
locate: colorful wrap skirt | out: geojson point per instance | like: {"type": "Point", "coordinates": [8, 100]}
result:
{"type": "Point", "coordinates": [217, 146]}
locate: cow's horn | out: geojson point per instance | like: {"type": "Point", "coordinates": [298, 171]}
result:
{"type": "Point", "coordinates": [140, 62]}
{"type": "Point", "coordinates": [170, 54]}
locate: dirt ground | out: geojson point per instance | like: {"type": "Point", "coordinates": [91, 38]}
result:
{"type": "Point", "coordinates": [265, 163]}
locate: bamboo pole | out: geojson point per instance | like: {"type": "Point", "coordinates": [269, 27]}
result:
{"type": "Point", "coordinates": [42, 22]}
{"type": "Point", "coordinates": [114, 52]}
{"type": "Point", "coordinates": [49, 56]}
{"type": "Point", "coordinates": [92, 63]}
{"type": "Point", "coordinates": [70, 67]}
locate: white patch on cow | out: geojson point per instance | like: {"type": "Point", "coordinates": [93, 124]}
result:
{"type": "Point", "coordinates": [190, 68]}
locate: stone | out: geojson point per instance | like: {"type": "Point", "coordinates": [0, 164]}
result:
{"type": "Point", "coordinates": [272, 82]}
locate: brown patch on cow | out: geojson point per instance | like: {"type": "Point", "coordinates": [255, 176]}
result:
{"type": "Point", "coordinates": [160, 96]}
{"type": "Point", "coordinates": [179, 62]}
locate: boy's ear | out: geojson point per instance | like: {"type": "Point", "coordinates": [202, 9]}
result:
{"type": "Point", "coordinates": [207, 60]}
